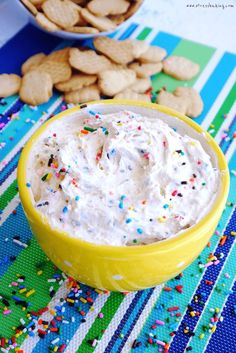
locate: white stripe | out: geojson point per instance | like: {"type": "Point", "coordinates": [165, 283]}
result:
{"type": "Point", "coordinates": [115, 322]}
{"type": "Point", "coordinates": [30, 132]}
{"type": "Point", "coordinates": [216, 323]}
{"type": "Point", "coordinates": [197, 284]}
{"type": "Point", "coordinates": [152, 35]}
{"type": "Point", "coordinates": [226, 123]}
{"type": "Point", "coordinates": [219, 100]}
{"type": "Point", "coordinates": [206, 73]}
{"type": "Point", "coordinates": [9, 209]}
{"type": "Point", "coordinates": [83, 329]}
{"type": "Point", "coordinates": [137, 31]}
{"type": "Point", "coordinates": [231, 150]}
{"type": "Point", "coordinates": [30, 342]}
{"type": "Point", "coordinates": [8, 182]}
{"type": "Point", "coordinates": [122, 30]}
{"type": "Point", "coordinates": [139, 324]}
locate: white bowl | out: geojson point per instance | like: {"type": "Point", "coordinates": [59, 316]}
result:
{"type": "Point", "coordinates": [71, 35]}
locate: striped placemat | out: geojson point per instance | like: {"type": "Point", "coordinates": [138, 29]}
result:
{"type": "Point", "coordinates": [43, 311]}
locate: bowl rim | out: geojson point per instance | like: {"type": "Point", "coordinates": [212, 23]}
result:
{"type": "Point", "coordinates": [73, 35]}
{"type": "Point", "coordinates": [38, 217]}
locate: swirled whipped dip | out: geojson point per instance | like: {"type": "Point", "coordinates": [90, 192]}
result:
{"type": "Point", "coordinates": [121, 179]}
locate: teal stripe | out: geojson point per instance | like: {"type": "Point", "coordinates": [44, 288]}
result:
{"type": "Point", "coordinates": [22, 126]}
{"type": "Point", "coordinates": [9, 101]}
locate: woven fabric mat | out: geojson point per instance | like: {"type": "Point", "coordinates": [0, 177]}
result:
{"type": "Point", "coordinates": [43, 311]}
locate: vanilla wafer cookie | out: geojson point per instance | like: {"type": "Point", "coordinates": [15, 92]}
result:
{"type": "Point", "coordinates": [61, 55]}
{"type": "Point", "coordinates": [80, 2]}
{"type": "Point", "coordinates": [83, 95]}
{"type": "Point", "coordinates": [112, 82]}
{"type": "Point", "coordinates": [108, 7]}
{"type": "Point", "coordinates": [101, 23]}
{"type": "Point", "coordinates": [131, 95]}
{"type": "Point", "coordinates": [146, 69]}
{"type": "Point", "coordinates": [180, 67]}
{"type": "Point", "coordinates": [168, 99]}
{"type": "Point", "coordinates": [59, 71]}
{"type": "Point", "coordinates": [134, 6]}
{"type": "Point", "coordinates": [139, 47]}
{"type": "Point", "coordinates": [32, 62]}
{"type": "Point", "coordinates": [76, 82]}
{"type": "Point", "coordinates": [64, 13]}
{"type": "Point", "coordinates": [88, 61]}
{"type": "Point", "coordinates": [141, 85]}
{"type": "Point", "coordinates": [117, 19]}
{"type": "Point", "coordinates": [30, 6]}
{"type": "Point", "coordinates": [83, 29]}
{"type": "Point", "coordinates": [194, 100]}
{"type": "Point", "coordinates": [9, 84]}
{"type": "Point", "coordinates": [153, 55]}
{"type": "Point", "coordinates": [44, 22]}
{"type": "Point", "coordinates": [121, 52]}
{"type": "Point", "coordinates": [36, 87]}
{"type": "Point", "coordinates": [37, 2]}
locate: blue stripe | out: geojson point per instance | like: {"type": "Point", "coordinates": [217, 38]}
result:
{"type": "Point", "coordinates": [128, 31]}
{"type": "Point", "coordinates": [15, 108]}
{"type": "Point", "coordinates": [117, 332]}
{"type": "Point", "coordinates": [167, 41]}
{"type": "Point", "coordinates": [215, 83]}
{"type": "Point", "coordinates": [223, 339]}
{"type": "Point", "coordinates": [29, 41]}
{"type": "Point", "coordinates": [14, 225]}
{"type": "Point", "coordinates": [67, 330]}
{"type": "Point", "coordinates": [226, 144]}
{"type": "Point", "coordinates": [133, 318]}
{"type": "Point", "coordinates": [9, 168]}
{"type": "Point", "coordinates": [181, 340]}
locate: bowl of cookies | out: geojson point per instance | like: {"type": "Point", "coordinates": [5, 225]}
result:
{"type": "Point", "coordinates": [79, 19]}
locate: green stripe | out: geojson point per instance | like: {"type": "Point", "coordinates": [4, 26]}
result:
{"type": "Point", "coordinates": [224, 109]}
{"type": "Point", "coordinates": [145, 32]}
{"type": "Point", "coordinates": [198, 53]}
{"type": "Point", "coordinates": [110, 307]}
{"type": "Point", "coordinates": [25, 264]}
{"type": "Point", "coordinates": [8, 195]}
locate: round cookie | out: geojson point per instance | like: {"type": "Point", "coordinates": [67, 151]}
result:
{"type": "Point", "coordinates": [9, 84]}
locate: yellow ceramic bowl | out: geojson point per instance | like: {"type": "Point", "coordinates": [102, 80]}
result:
{"type": "Point", "coordinates": [134, 267]}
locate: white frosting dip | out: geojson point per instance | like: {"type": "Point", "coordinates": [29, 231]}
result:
{"type": "Point", "coordinates": [121, 179]}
